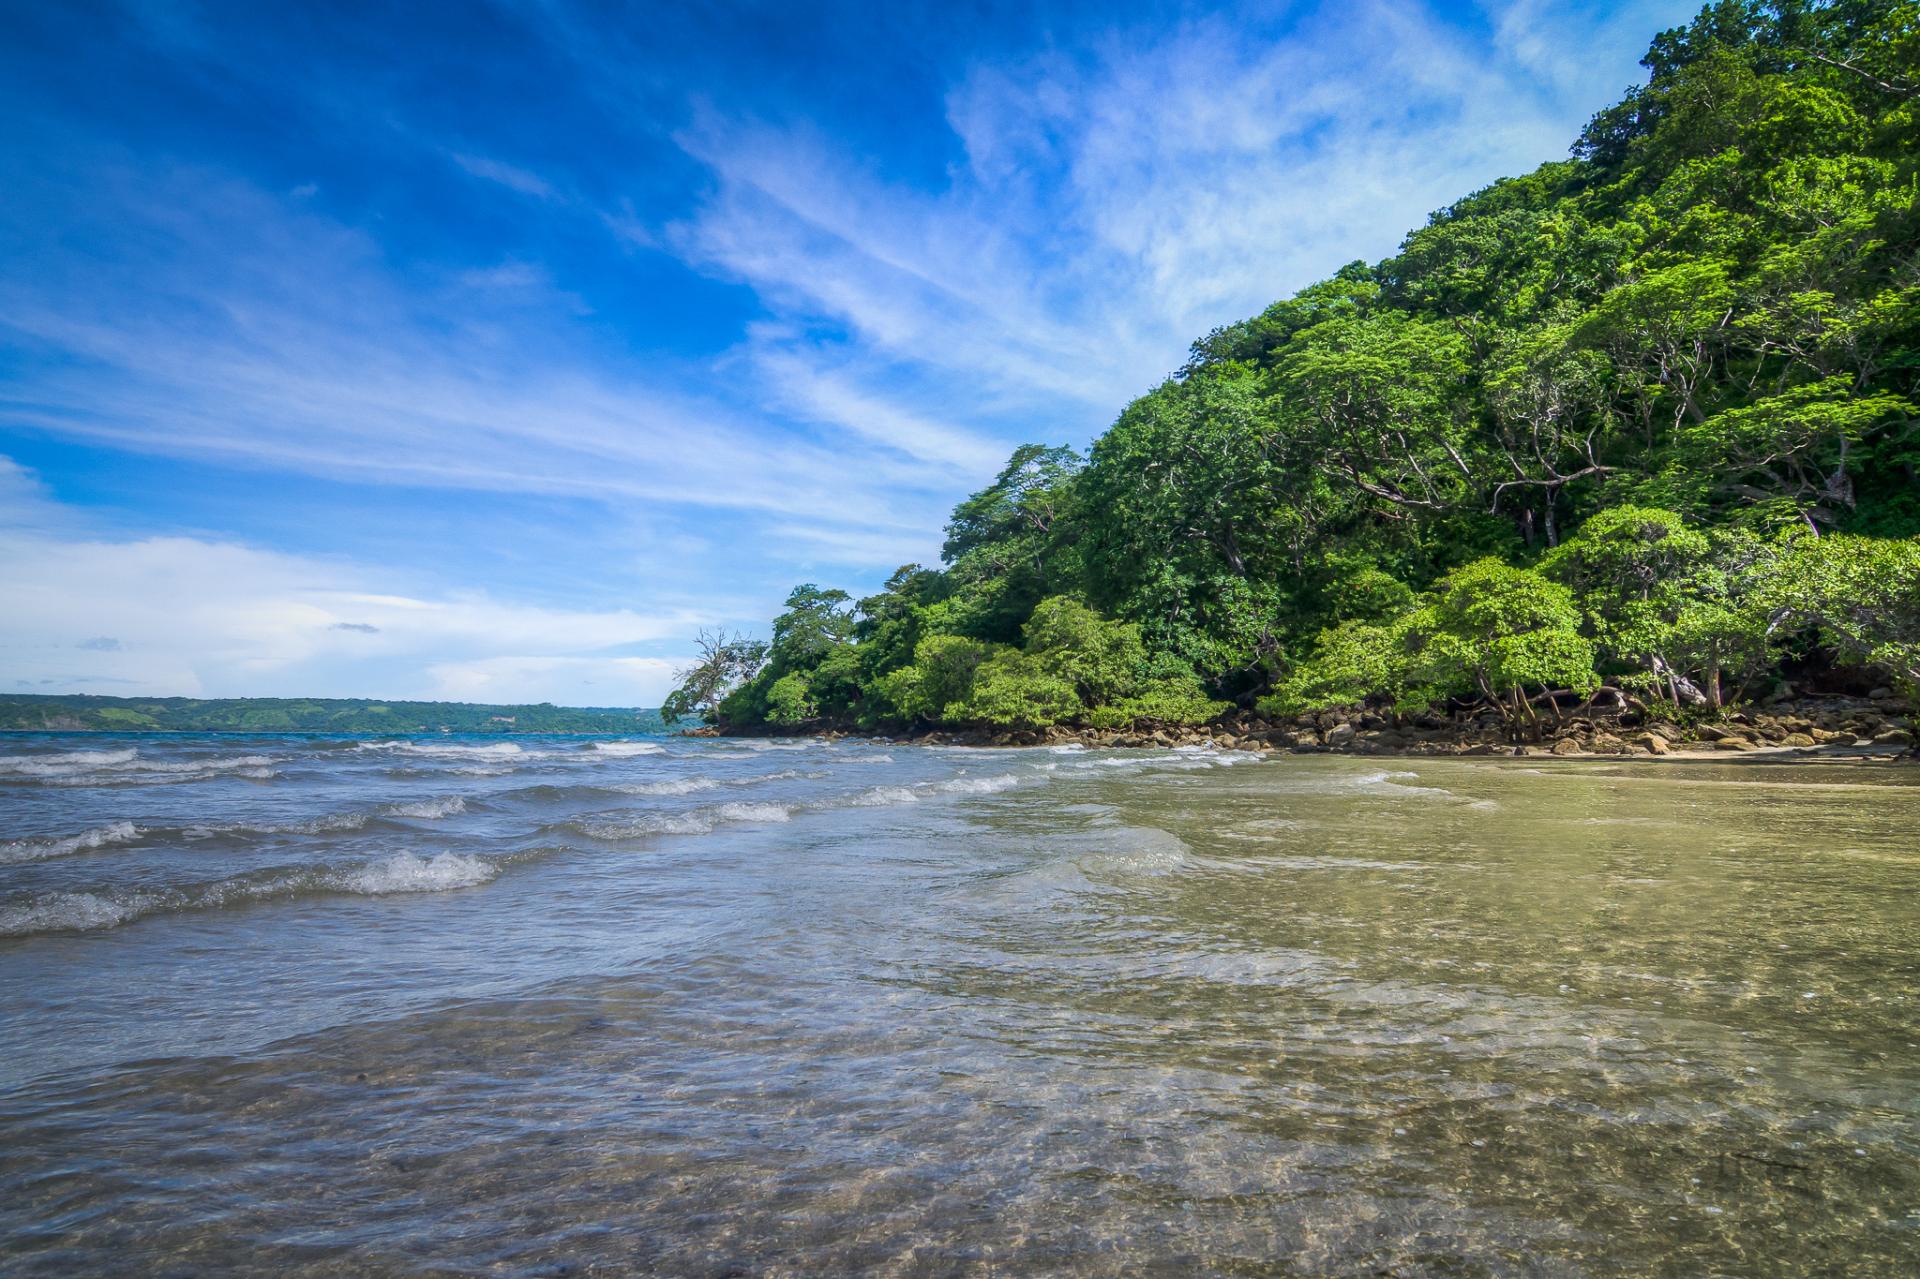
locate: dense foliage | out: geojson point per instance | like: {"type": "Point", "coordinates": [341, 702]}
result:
{"type": "Point", "coordinates": [1640, 421]}
{"type": "Point", "coordinates": [308, 715]}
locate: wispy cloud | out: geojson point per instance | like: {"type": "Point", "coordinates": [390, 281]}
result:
{"type": "Point", "coordinates": [178, 615]}
{"type": "Point", "coordinates": [507, 175]}
{"type": "Point", "coordinates": [1119, 198]}
{"type": "Point", "coordinates": [254, 333]}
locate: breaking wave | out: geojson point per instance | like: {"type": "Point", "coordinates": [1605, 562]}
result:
{"type": "Point", "coordinates": [677, 786]}
{"type": "Point", "coordinates": [34, 850]}
{"type": "Point", "coordinates": [109, 907]}
{"type": "Point", "coordinates": [127, 767]}
{"type": "Point", "coordinates": [428, 809]}
{"type": "Point", "coordinates": [700, 821]}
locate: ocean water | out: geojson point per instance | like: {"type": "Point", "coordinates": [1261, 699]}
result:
{"type": "Point", "coordinates": [544, 1006]}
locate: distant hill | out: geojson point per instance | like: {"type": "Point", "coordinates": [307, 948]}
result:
{"type": "Point", "coordinates": [308, 715]}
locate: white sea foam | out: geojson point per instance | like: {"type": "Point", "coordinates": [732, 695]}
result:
{"type": "Point", "coordinates": [428, 809]}
{"type": "Point", "coordinates": [66, 912]}
{"type": "Point", "coordinates": [102, 768]}
{"type": "Point", "coordinates": [674, 786]}
{"type": "Point", "coordinates": [65, 761]}
{"type": "Point", "coordinates": [108, 908]}
{"type": "Point", "coordinates": [885, 797]}
{"type": "Point", "coordinates": [625, 750]}
{"type": "Point", "coordinates": [978, 785]}
{"type": "Point", "coordinates": [410, 873]}
{"type": "Point", "coordinates": [329, 824]}
{"type": "Point", "coordinates": [462, 750]}
{"type": "Point", "coordinates": [698, 822]}
{"type": "Point", "coordinates": [34, 850]}
{"type": "Point", "coordinates": [753, 812]}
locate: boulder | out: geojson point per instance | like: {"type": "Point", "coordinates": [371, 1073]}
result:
{"type": "Point", "coordinates": [1880, 694]}
{"type": "Point", "coordinates": [1340, 735]}
{"type": "Point", "coordinates": [1567, 746]}
{"type": "Point", "coordinates": [1893, 737]}
{"type": "Point", "coordinates": [1733, 744]}
{"type": "Point", "coordinates": [1652, 744]}
{"type": "Point", "coordinates": [1801, 740]}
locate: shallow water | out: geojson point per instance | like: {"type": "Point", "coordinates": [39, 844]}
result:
{"type": "Point", "coordinates": [553, 1006]}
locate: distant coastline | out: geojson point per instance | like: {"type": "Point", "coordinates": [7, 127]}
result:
{"type": "Point", "coordinates": [88, 713]}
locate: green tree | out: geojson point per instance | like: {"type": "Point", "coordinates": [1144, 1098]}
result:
{"type": "Point", "coordinates": [726, 662]}
{"type": "Point", "coordinates": [1016, 690]}
{"type": "Point", "coordinates": [1861, 595]}
{"type": "Point", "coordinates": [1505, 632]}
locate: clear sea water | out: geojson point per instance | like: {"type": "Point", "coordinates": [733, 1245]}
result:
{"type": "Point", "coordinates": [545, 1006]}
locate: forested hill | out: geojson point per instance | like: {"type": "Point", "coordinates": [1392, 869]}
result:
{"type": "Point", "coordinates": [309, 715]}
{"type": "Point", "coordinates": [1642, 419]}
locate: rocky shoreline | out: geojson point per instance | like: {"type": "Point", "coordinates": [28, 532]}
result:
{"type": "Point", "coordinates": [1879, 724]}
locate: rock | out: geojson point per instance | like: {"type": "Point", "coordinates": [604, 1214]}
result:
{"type": "Point", "coordinates": [1801, 740]}
{"type": "Point", "coordinates": [1608, 744]}
{"type": "Point", "coordinates": [1894, 737]}
{"type": "Point", "coordinates": [1567, 746]}
{"type": "Point", "coordinates": [1340, 735]}
{"type": "Point", "coordinates": [1671, 732]}
{"type": "Point", "coordinates": [1653, 744]}
{"type": "Point", "coordinates": [1733, 744]}
{"type": "Point", "coordinates": [1482, 749]}
{"type": "Point", "coordinates": [1880, 694]}
{"type": "Point", "coordinates": [1716, 732]}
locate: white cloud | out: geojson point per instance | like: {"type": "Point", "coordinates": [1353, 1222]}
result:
{"type": "Point", "coordinates": [188, 616]}
{"type": "Point", "coordinates": [564, 681]}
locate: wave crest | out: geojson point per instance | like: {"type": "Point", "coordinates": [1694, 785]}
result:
{"type": "Point", "coordinates": [34, 850]}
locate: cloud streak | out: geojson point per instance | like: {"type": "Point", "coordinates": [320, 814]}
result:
{"type": "Point", "coordinates": [191, 616]}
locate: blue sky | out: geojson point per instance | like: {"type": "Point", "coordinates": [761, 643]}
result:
{"type": "Point", "coordinates": [487, 351]}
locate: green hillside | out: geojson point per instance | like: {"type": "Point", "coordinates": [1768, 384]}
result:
{"type": "Point", "coordinates": [310, 715]}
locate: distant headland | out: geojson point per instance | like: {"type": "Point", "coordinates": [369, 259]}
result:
{"type": "Point", "coordinates": [88, 713]}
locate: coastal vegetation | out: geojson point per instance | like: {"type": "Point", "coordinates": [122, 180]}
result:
{"type": "Point", "coordinates": [1638, 427]}
{"type": "Point", "coordinates": [27, 712]}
